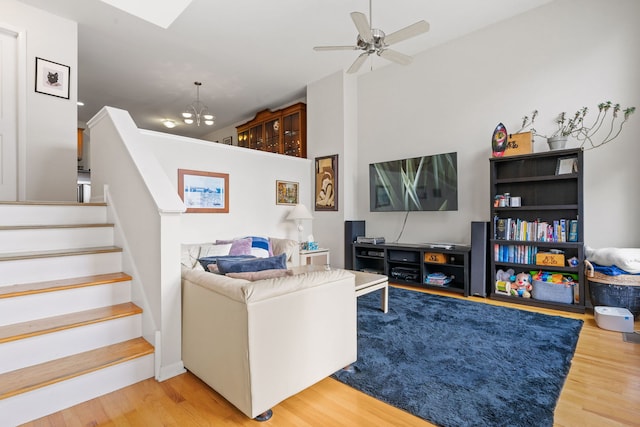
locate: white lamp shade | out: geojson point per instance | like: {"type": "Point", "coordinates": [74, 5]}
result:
{"type": "Point", "coordinates": [299, 212]}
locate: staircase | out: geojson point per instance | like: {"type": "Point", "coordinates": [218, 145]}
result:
{"type": "Point", "coordinates": [68, 329]}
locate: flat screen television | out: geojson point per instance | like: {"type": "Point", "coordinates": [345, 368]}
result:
{"type": "Point", "coordinates": [427, 183]}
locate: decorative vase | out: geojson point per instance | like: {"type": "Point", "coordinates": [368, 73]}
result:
{"type": "Point", "coordinates": [557, 142]}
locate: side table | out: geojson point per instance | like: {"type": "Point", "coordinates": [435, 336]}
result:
{"type": "Point", "coordinates": [306, 256]}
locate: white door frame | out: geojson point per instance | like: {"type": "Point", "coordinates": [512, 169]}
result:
{"type": "Point", "coordinates": [21, 98]}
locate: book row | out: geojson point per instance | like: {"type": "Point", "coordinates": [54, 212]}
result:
{"type": "Point", "coordinates": [561, 230]}
{"type": "Point", "coordinates": [518, 254]}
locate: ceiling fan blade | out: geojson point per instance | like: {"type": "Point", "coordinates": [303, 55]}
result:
{"type": "Point", "coordinates": [362, 25]}
{"type": "Point", "coordinates": [395, 56]}
{"type": "Point", "coordinates": [335, 48]}
{"type": "Point", "coordinates": [357, 63]}
{"type": "Point", "coordinates": [407, 32]}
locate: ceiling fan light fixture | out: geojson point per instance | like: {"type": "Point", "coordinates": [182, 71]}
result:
{"type": "Point", "coordinates": [373, 40]}
{"type": "Point", "coordinates": [187, 115]}
{"type": "Point", "coordinates": [188, 121]}
{"type": "Point", "coordinates": [169, 123]}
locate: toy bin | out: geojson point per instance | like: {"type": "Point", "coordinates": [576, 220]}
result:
{"type": "Point", "coordinates": [614, 291]}
{"type": "Point", "coordinates": [554, 292]}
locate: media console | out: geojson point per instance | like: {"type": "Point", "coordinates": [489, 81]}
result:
{"type": "Point", "coordinates": [430, 265]}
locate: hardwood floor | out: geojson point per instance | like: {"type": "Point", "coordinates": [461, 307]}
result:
{"type": "Point", "coordinates": [602, 389]}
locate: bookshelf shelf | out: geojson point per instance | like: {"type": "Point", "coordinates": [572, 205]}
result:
{"type": "Point", "coordinates": [549, 201]}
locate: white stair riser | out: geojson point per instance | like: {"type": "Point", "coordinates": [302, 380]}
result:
{"type": "Point", "coordinates": [38, 239]}
{"type": "Point", "coordinates": [52, 215]}
{"type": "Point", "coordinates": [53, 268]}
{"type": "Point", "coordinates": [47, 400]}
{"type": "Point", "coordinates": [37, 306]}
{"type": "Point", "coordinates": [42, 348]}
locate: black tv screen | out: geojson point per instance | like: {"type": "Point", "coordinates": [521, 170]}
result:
{"type": "Point", "coordinates": [427, 183]}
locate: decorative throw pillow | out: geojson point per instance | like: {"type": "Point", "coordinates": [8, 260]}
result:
{"type": "Point", "coordinates": [281, 246]}
{"type": "Point", "coordinates": [258, 264]}
{"type": "Point", "coordinates": [260, 247]}
{"type": "Point", "coordinates": [214, 249]}
{"type": "Point", "coordinates": [189, 255]}
{"type": "Point", "coordinates": [241, 246]}
{"type": "Point", "coordinates": [206, 261]}
{"type": "Point", "coordinates": [259, 275]}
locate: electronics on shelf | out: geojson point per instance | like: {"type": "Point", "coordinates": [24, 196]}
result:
{"type": "Point", "coordinates": [371, 240]}
{"type": "Point", "coordinates": [405, 273]}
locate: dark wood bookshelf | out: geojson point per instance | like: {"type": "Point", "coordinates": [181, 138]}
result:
{"type": "Point", "coordinates": [546, 196]}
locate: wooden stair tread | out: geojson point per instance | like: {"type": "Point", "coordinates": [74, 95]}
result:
{"type": "Point", "coordinates": [53, 226]}
{"type": "Point", "coordinates": [48, 325]}
{"type": "Point", "coordinates": [51, 203]}
{"type": "Point", "coordinates": [37, 376]}
{"type": "Point", "coordinates": [61, 284]}
{"type": "Point", "coordinates": [57, 253]}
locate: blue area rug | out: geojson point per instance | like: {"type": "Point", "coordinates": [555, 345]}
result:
{"type": "Point", "coordinates": [462, 363]}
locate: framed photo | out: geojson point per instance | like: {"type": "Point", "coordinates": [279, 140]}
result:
{"type": "Point", "coordinates": [228, 140]}
{"type": "Point", "coordinates": [327, 183]}
{"type": "Point", "coordinates": [567, 165]}
{"type": "Point", "coordinates": [52, 78]}
{"type": "Point", "coordinates": [286, 193]}
{"type": "Point", "coordinates": [204, 192]}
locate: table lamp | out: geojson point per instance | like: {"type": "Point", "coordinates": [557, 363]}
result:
{"type": "Point", "coordinates": [299, 213]}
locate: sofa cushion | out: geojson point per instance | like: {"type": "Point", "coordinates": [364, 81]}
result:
{"type": "Point", "coordinates": [214, 249]}
{"type": "Point", "coordinates": [243, 290]}
{"type": "Point", "coordinates": [258, 264]}
{"type": "Point", "coordinates": [205, 261]}
{"type": "Point", "coordinates": [261, 275]}
{"type": "Point", "coordinates": [191, 253]}
{"type": "Point", "coordinates": [284, 246]}
{"type": "Point", "coordinates": [261, 247]}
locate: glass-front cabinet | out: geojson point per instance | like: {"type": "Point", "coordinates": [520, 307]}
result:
{"type": "Point", "coordinates": [282, 131]}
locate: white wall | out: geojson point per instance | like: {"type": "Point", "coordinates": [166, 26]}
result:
{"type": "Point", "coordinates": [331, 129]}
{"type": "Point", "coordinates": [252, 187]}
{"type": "Point", "coordinates": [559, 57]}
{"type": "Point", "coordinates": [47, 158]}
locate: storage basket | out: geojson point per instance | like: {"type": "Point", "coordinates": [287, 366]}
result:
{"type": "Point", "coordinates": [554, 292]}
{"type": "Point", "coordinates": [614, 291]}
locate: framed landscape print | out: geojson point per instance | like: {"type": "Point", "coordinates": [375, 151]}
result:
{"type": "Point", "coordinates": [204, 192]}
{"type": "Point", "coordinates": [286, 193]}
{"type": "Point", "coordinates": [52, 78]}
{"type": "Point", "coordinates": [326, 183]}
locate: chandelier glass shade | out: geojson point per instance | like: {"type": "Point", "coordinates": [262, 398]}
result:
{"type": "Point", "coordinates": [197, 112]}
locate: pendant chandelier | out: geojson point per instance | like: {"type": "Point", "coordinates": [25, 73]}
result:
{"type": "Point", "coordinates": [197, 111]}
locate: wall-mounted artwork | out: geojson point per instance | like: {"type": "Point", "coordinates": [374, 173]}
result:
{"type": "Point", "coordinates": [52, 78]}
{"type": "Point", "coordinates": [327, 183]}
{"type": "Point", "coordinates": [286, 193]}
{"type": "Point", "coordinates": [204, 192]}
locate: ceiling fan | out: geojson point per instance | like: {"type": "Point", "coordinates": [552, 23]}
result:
{"type": "Point", "coordinates": [372, 40]}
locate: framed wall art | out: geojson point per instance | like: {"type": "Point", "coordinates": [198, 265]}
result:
{"type": "Point", "coordinates": [204, 192]}
{"type": "Point", "coordinates": [228, 140]}
{"type": "Point", "coordinates": [52, 78]}
{"type": "Point", "coordinates": [327, 183]}
{"type": "Point", "coordinates": [287, 193]}
{"type": "Point", "coordinates": [567, 165]}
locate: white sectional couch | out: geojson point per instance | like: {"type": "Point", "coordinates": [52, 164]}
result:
{"type": "Point", "coordinates": [258, 343]}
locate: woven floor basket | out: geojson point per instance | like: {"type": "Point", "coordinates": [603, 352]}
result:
{"type": "Point", "coordinates": [614, 291]}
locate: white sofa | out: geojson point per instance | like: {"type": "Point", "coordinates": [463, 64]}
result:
{"type": "Point", "coordinates": [258, 343]}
